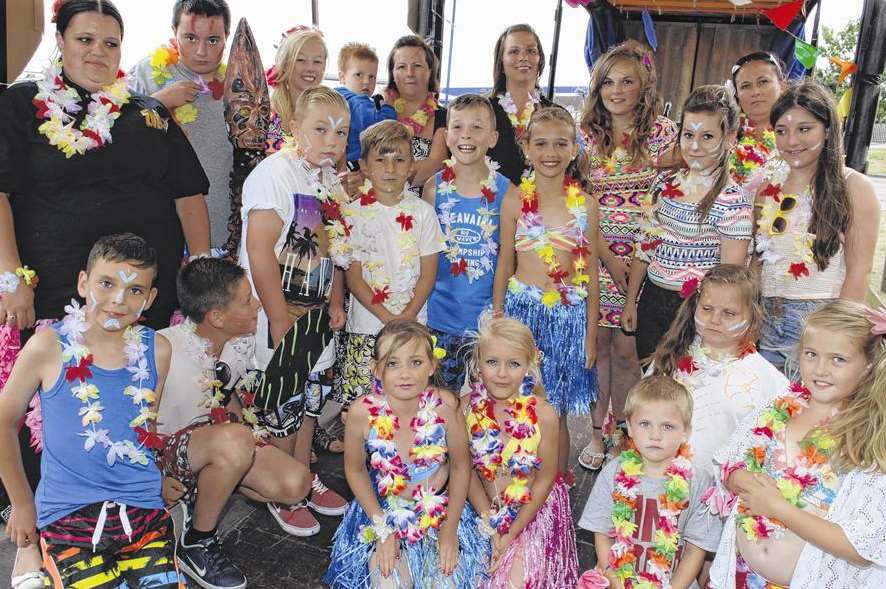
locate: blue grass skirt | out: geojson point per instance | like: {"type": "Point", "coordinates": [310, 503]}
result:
{"type": "Point", "coordinates": [560, 335]}
{"type": "Point", "coordinates": [349, 566]}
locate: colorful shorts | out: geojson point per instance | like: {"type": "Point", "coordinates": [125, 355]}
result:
{"type": "Point", "coordinates": [354, 376]}
{"type": "Point", "coordinates": [452, 368]}
{"type": "Point", "coordinates": [783, 321]}
{"type": "Point", "coordinates": [746, 578]}
{"type": "Point", "coordinates": [140, 559]}
{"type": "Point", "coordinates": [173, 460]}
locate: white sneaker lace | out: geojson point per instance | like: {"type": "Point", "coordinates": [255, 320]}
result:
{"type": "Point", "coordinates": [318, 486]}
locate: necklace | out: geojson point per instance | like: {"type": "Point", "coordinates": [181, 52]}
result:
{"type": "Point", "coordinates": [162, 60]}
{"type": "Point", "coordinates": [74, 350]}
{"type": "Point", "coordinates": [574, 291]}
{"type": "Point", "coordinates": [666, 540]}
{"type": "Point", "coordinates": [518, 120]}
{"type": "Point", "coordinates": [697, 367]}
{"type": "Point", "coordinates": [488, 249]}
{"type": "Point", "coordinates": [751, 151]}
{"type": "Point", "coordinates": [57, 102]}
{"type": "Point", "coordinates": [520, 454]}
{"type": "Point", "coordinates": [409, 519]}
{"type": "Point", "coordinates": [773, 221]}
{"type": "Point", "coordinates": [417, 120]}
{"type": "Point", "coordinates": [796, 481]}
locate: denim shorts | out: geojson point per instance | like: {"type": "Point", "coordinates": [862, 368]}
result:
{"type": "Point", "coordinates": [783, 321]}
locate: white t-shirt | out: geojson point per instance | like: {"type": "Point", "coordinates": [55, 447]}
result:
{"type": "Point", "coordinates": [389, 242]}
{"type": "Point", "coordinates": [276, 184]}
{"type": "Point", "coordinates": [189, 367]}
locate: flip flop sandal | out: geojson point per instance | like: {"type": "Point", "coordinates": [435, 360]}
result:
{"type": "Point", "coordinates": [590, 460]}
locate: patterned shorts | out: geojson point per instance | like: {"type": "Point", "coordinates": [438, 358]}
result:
{"type": "Point", "coordinates": [354, 376]}
{"type": "Point", "coordinates": [452, 368]}
{"type": "Point", "coordinates": [173, 461]}
{"type": "Point", "coordinates": [144, 558]}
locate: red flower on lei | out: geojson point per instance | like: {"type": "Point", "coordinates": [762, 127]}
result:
{"type": "Point", "coordinates": [671, 190]}
{"type": "Point", "coordinates": [81, 371]}
{"type": "Point", "coordinates": [798, 269]}
{"type": "Point", "coordinates": [686, 365]}
{"type": "Point", "coordinates": [405, 221]}
{"type": "Point", "coordinates": [380, 295]}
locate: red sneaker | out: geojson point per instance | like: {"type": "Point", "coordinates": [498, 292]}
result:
{"type": "Point", "coordinates": [324, 500]}
{"type": "Point", "coordinates": [295, 519]}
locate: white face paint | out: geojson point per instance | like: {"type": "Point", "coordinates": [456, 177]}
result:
{"type": "Point", "coordinates": [695, 125]}
{"type": "Point", "coordinates": [93, 301]}
{"type": "Point", "coordinates": [112, 324]}
{"type": "Point", "coordinates": [335, 123]}
{"type": "Point", "coordinates": [127, 279]}
{"type": "Point", "coordinates": [695, 145]}
{"type": "Point", "coordinates": [736, 330]}
{"type": "Point", "coordinates": [121, 292]}
{"type": "Point", "coordinates": [141, 309]}
{"type": "Point", "coordinates": [790, 118]}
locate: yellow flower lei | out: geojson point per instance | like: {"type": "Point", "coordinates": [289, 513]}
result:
{"type": "Point", "coordinates": [162, 60]}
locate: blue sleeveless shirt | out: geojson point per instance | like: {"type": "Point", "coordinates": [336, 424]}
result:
{"type": "Point", "coordinates": [456, 301]}
{"type": "Point", "coordinates": [71, 476]}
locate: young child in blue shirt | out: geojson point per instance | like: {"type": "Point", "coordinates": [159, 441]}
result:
{"type": "Point", "coordinates": [467, 195]}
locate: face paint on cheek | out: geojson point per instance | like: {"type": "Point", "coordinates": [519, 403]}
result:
{"type": "Point", "coordinates": [141, 309]}
{"type": "Point", "coordinates": [739, 327]}
{"type": "Point", "coordinates": [93, 301]}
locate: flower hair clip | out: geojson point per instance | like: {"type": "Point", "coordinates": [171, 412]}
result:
{"type": "Point", "coordinates": [271, 76]}
{"type": "Point", "coordinates": [439, 353]}
{"type": "Point", "coordinates": [647, 61]}
{"type": "Point", "coordinates": [689, 288]}
{"type": "Point", "coordinates": [878, 321]}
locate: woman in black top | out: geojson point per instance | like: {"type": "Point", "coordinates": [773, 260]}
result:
{"type": "Point", "coordinates": [413, 88]}
{"type": "Point", "coordinates": [519, 61]}
{"type": "Point", "coordinates": [131, 170]}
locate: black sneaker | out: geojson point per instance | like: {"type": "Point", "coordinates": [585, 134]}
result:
{"type": "Point", "coordinates": [208, 566]}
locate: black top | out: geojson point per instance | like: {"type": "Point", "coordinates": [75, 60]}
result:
{"type": "Point", "coordinates": [61, 206]}
{"type": "Point", "coordinates": [506, 152]}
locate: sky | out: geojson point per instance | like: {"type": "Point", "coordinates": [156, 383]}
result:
{"type": "Point", "coordinates": [477, 25]}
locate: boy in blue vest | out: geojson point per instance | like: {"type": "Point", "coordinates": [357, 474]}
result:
{"type": "Point", "coordinates": [98, 505]}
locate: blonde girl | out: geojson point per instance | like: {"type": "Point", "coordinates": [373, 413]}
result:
{"type": "Point", "coordinates": [625, 138]}
{"type": "Point", "coordinates": [809, 468]}
{"type": "Point", "coordinates": [515, 486]}
{"type": "Point", "coordinates": [547, 269]}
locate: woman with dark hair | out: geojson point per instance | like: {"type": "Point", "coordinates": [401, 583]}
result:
{"type": "Point", "coordinates": [519, 61]}
{"type": "Point", "coordinates": [817, 221]}
{"type": "Point", "coordinates": [413, 89]}
{"type": "Point", "coordinates": [758, 79]}
{"type": "Point", "coordinates": [82, 157]}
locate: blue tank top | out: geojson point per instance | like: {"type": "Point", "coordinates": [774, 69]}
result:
{"type": "Point", "coordinates": [457, 301]}
{"type": "Point", "coordinates": [71, 477]}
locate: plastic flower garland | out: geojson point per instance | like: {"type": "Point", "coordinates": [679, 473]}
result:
{"type": "Point", "coordinates": [57, 102]}
{"type": "Point", "coordinates": [73, 327]}
{"type": "Point", "coordinates": [793, 482]}
{"type": "Point", "coordinates": [573, 291]}
{"type": "Point", "coordinates": [697, 366]}
{"type": "Point", "coordinates": [798, 266]}
{"type": "Point", "coordinates": [520, 454]}
{"type": "Point", "coordinates": [417, 120]}
{"type": "Point", "coordinates": [162, 60]}
{"type": "Point", "coordinates": [518, 120]}
{"type": "Point", "coordinates": [458, 264]}
{"type": "Point", "coordinates": [660, 556]}
{"type": "Point", "coordinates": [751, 151]}
{"type": "Point", "coordinates": [409, 519]}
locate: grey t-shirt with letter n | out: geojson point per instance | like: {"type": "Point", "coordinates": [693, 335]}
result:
{"type": "Point", "coordinates": [209, 137]}
{"type": "Point", "coordinates": [697, 526]}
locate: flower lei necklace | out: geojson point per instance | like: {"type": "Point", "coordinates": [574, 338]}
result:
{"type": "Point", "coordinates": [518, 120]}
{"type": "Point", "coordinates": [407, 519]}
{"type": "Point", "coordinates": [803, 258]}
{"type": "Point", "coordinates": [406, 242]}
{"type": "Point", "coordinates": [74, 350]}
{"type": "Point", "coordinates": [697, 365]}
{"type": "Point", "coordinates": [574, 291]}
{"type": "Point", "coordinates": [751, 151]}
{"type": "Point", "coordinates": [332, 196]}
{"type": "Point", "coordinates": [57, 102]}
{"type": "Point", "coordinates": [520, 455]}
{"type": "Point", "coordinates": [795, 481]}
{"type": "Point", "coordinates": [162, 60]}
{"type": "Point", "coordinates": [660, 556]}
{"type": "Point", "coordinates": [417, 120]}
{"type": "Point", "coordinates": [489, 248]}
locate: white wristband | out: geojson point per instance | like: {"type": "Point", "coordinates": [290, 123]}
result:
{"type": "Point", "coordinates": [9, 282]}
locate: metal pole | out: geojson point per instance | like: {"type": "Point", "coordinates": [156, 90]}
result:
{"type": "Point", "coordinates": [315, 13]}
{"type": "Point", "coordinates": [451, 45]}
{"type": "Point", "coordinates": [558, 17]}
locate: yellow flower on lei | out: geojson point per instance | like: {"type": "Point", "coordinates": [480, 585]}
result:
{"type": "Point", "coordinates": [186, 113]}
{"type": "Point", "coordinates": [632, 468]}
{"type": "Point", "coordinates": [667, 541]}
{"type": "Point", "coordinates": [790, 490]}
{"type": "Point", "coordinates": [550, 299]}
{"type": "Point", "coordinates": [163, 57]}
{"type": "Point", "coordinates": [384, 427]}
{"type": "Point", "coordinates": [624, 527]}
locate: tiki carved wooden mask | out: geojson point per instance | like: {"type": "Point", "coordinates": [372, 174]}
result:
{"type": "Point", "coordinates": [247, 102]}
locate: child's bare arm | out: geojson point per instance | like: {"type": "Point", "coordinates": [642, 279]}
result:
{"type": "Point", "coordinates": [355, 460]}
{"type": "Point", "coordinates": [602, 546]}
{"type": "Point", "coordinates": [424, 286]}
{"type": "Point", "coordinates": [459, 481]}
{"type": "Point", "coordinates": [261, 237]}
{"type": "Point", "coordinates": [690, 565]}
{"type": "Point", "coordinates": [593, 299]}
{"type": "Point", "coordinates": [429, 192]}
{"type": "Point", "coordinates": [506, 265]}
{"type": "Point", "coordinates": [337, 315]}
{"type": "Point", "coordinates": [360, 289]}
{"type": "Point", "coordinates": [38, 364]}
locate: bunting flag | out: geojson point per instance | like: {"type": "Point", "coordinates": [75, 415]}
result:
{"type": "Point", "coordinates": [649, 29]}
{"type": "Point", "coordinates": [846, 67]}
{"type": "Point", "coordinates": [844, 104]}
{"type": "Point", "coordinates": [805, 53]}
{"type": "Point", "coordinates": [782, 16]}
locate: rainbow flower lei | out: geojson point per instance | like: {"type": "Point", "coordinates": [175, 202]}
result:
{"type": "Point", "coordinates": [458, 264]}
{"type": "Point", "coordinates": [518, 120]}
{"type": "Point", "coordinates": [520, 454]}
{"type": "Point", "coordinates": [793, 482]}
{"type": "Point", "coordinates": [73, 326]}
{"type": "Point", "coordinates": [410, 519]}
{"type": "Point", "coordinates": [751, 151]}
{"type": "Point", "coordinates": [56, 101]}
{"type": "Point", "coordinates": [799, 265]}
{"type": "Point", "coordinates": [660, 557]}
{"type": "Point", "coordinates": [573, 291]}
{"type": "Point", "coordinates": [417, 120]}
{"type": "Point", "coordinates": [162, 60]}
